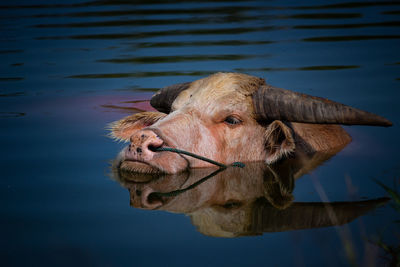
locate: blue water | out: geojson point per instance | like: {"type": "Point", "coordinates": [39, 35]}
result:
{"type": "Point", "coordinates": [68, 68]}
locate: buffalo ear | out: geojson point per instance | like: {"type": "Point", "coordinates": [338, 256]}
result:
{"type": "Point", "coordinates": [276, 189]}
{"type": "Point", "coordinates": [279, 184]}
{"type": "Point", "coordinates": [123, 129]}
{"type": "Point", "coordinates": [279, 141]}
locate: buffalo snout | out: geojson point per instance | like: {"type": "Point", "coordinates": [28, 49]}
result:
{"type": "Point", "coordinates": [143, 145]}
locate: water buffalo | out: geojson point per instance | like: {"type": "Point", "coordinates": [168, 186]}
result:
{"type": "Point", "coordinates": [236, 202]}
{"type": "Point", "coordinates": [232, 117]}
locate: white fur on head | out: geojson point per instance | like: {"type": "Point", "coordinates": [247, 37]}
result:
{"type": "Point", "coordinates": [123, 129]}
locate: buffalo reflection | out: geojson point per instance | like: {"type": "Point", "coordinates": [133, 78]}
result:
{"type": "Point", "coordinates": [241, 201]}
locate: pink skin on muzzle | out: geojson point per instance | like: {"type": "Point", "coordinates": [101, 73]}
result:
{"type": "Point", "coordinates": [142, 146]}
{"type": "Point", "coordinates": [140, 155]}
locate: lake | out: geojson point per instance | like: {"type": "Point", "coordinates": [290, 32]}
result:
{"type": "Point", "coordinates": [69, 68]}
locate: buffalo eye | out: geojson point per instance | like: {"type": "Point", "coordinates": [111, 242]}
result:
{"type": "Point", "coordinates": [231, 120]}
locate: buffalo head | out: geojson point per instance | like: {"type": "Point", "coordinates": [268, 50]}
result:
{"type": "Point", "coordinates": [232, 117]}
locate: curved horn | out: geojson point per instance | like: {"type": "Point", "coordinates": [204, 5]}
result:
{"type": "Point", "coordinates": [271, 103]}
{"type": "Point", "coordinates": [164, 98]}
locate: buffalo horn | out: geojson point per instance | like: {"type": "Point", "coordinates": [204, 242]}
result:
{"type": "Point", "coordinates": [163, 99]}
{"type": "Point", "coordinates": [271, 103]}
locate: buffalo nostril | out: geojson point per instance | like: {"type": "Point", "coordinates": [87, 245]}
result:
{"type": "Point", "coordinates": [154, 198]}
{"type": "Point", "coordinates": [153, 148]}
{"type": "Point", "coordinates": [155, 144]}
{"type": "Point", "coordinates": [151, 199]}
{"type": "Point", "coordinates": [139, 150]}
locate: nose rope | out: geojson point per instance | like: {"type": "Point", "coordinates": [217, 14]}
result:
{"type": "Point", "coordinates": [179, 151]}
{"type": "Point", "coordinates": [180, 191]}
{"type": "Point", "coordinates": [221, 165]}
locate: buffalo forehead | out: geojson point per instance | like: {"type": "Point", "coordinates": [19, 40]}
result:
{"type": "Point", "coordinates": [218, 90]}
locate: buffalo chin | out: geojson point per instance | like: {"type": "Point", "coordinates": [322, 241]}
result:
{"type": "Point", "coordinates": [138, 167]}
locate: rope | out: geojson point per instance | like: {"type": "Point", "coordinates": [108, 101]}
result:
{"type": "Point", "coordinates": [179, 151]}
{"type": "Point", "coordinates": [221, 166]}
{"type": "Point", "coordinates": [180, 191]}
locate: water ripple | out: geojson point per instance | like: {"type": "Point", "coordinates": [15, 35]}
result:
{"type": "Point", "coordinates": [11, 79]}
{"type": "Point", "coordinates": [139, 35]}
{"type": "Point", "coordinates": [350, 26]}
{"type": "Point", "coordinates": [13, 94]}
{"type": "Point", "coordinates": [12, 114]}
{"type": "Point", "coordinates": [309, 68]}
{"type": "Point", "coordinates": [11, 51]}
{"type": "Point", "coordinates": [394, 12]}
{"type": "Point", "coordinates": [352, 5]}
{"type": "Point", "coordinates": [140, 74]}
{"type": "Point", "coordinates": [350, 38]}
{"type": "Point", "coordinates": [147, 22]}
{"type": "Point", "coordinates": [203, 73]}
{"type": "Point", "coordinates": [236, 10]}
{"type": "Point", "coordinates": [175, 59]}
{"type": "Point", "coordinates": [201, 43]}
